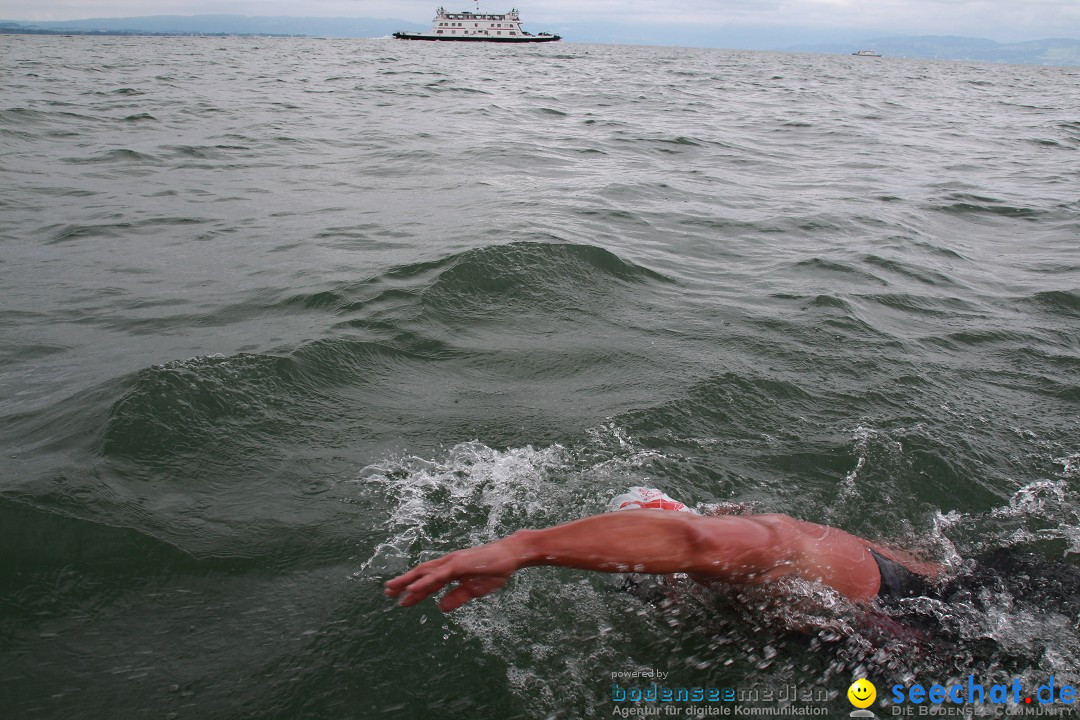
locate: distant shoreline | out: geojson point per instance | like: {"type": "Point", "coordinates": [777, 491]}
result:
{"type": "Point", "coordinates": [135, 33]}
{"type": "Point", "coordinates": [1058, 52]}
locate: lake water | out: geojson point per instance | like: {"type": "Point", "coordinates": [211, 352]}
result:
{"type": "Point", "coordinates": [281, 317]}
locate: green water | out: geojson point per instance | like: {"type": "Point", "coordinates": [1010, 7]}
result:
{"type": "Point", "coordinates": [284, 317]}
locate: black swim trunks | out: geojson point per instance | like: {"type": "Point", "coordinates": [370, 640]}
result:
{"type": "Point", "coordinates": [899, 582]}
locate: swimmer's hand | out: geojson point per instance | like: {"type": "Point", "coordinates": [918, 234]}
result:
{"type": "Point", "coordinates": [478, 571]}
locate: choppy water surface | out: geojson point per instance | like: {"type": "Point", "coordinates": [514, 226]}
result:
{"type": "Point", "coordinates": [282, 317]}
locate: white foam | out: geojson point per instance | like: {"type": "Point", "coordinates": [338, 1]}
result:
{"type": "Point", "coordinates": [474, 495]}
{"type": "Point", "coordinates": [1070, 465]}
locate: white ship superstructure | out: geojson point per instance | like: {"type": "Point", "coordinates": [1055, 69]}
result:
{"type": "Point", "coordinates": [477, 27]}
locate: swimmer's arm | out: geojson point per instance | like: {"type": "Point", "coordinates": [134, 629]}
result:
{"type": "Point", "coordinates": [734, 549]}
{"type": "Point", "coordinates": [655, 542]}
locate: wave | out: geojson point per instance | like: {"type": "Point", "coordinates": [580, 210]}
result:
{"type": "Point", "coordinates": [118, 156]}
{"type": "Point", "coordinates": [38, 539]}
{"type": "Point", "coordinates": [1059, 302]}
{"type": "Point", "coordinates": [530, 275]}
{"type": "Point", "coordinates": [831, 269]}
{"type": "Point", "coordinates": [221, 410]}
{"type": "Point", "coordinates": [963, 204]}
{"type": "Point", "coordinates": [502, 283]}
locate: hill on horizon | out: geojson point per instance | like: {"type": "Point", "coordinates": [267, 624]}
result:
{"type": "Point", "coordinates": [1051, 51]}
{"type": "Point", "coordinates": [238, 24]}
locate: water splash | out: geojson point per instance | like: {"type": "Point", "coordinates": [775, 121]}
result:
{"type": "Point", "coordinates": [794, 631]}
{"type": "Point", "coordinates": [475, 494]}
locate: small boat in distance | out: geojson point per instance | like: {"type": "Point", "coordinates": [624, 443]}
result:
{"type": "Point", "coordinates": [866, 53]}
{"type": "Point", "coordinates": [477, 27]}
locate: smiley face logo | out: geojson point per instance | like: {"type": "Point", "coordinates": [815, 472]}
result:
{"type": "Point", "coordinates": [862, 693]}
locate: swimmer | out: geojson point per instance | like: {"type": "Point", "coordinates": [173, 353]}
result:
{"type": "Point", "coordinates": [655, 534]}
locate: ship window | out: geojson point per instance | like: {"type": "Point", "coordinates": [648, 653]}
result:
{"type": "Point", "coordinates": [438, 32]}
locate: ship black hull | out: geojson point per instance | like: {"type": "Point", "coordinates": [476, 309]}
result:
{"type": "Point", "coordinates": [473, 38]}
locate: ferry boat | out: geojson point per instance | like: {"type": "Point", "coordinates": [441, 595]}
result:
{"type": "Point", "coordinates": [477, 27]}
{"type": "Point", "coordinates": [866, 53]}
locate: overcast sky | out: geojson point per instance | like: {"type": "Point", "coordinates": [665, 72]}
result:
{"type": "Point", "coordinates": [1002, 20]}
